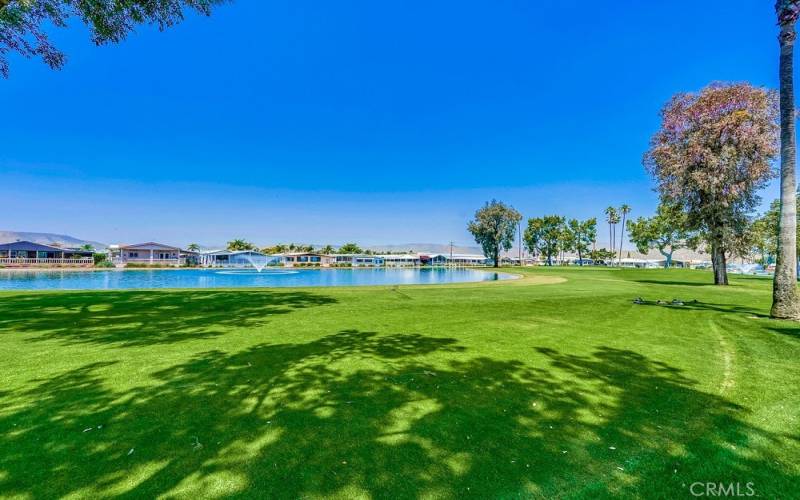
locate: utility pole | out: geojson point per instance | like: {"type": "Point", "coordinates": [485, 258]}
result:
{"type": "Point", "coordinates": [451, 253]}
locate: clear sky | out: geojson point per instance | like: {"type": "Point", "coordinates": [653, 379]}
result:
{"type": "Point", "coordinates": [377, 122]}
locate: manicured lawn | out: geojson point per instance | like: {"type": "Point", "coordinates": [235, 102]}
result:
{"type": "Point", "coordinates": [519, 389]}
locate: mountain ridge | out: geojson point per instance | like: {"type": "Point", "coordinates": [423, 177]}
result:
{"type": "Point", "coordinates": [63, 240]}
{"type": "Point", "coordinates": [66, 240]}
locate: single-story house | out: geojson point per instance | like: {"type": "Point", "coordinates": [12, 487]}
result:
{"type": "Point", "coordinates": [402, 260]}
{"type": "Point", "coordinates": [303, 259]}
{"type": "Point", "coordinates": [149, 253]}
{"type": "Point", "coordinates": [456, 259]}
{"type": "Point", "coordinates": [357, 260]}
{"type": "Point", "coordinates": [515, 261]}
{"type": "Point", "coordinates": [27, 253]}
{"type": "Point", "coordinates": [237, 258]}
{"type": "Point", "coordinates": [641, 263]}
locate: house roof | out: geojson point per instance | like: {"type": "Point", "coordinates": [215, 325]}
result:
{"type": "Point", "coordinates": [474, 256]}
{"type": "Point", "coordinates": [406, 256]}
{"type": "Point", "coordinates": [233, 252]}
{"type": "Point", "coordinates": [33, 247]}
{"type": "Point", "coordinates": [147, 246]}
{"type": "Point", "coordinates": [294, 254]}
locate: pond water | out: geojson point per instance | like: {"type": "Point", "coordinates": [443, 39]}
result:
{"type": "Point", "coordinates": [114, 279]}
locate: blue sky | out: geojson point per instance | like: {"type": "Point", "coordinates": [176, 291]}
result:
{"type": "Point", "coordinates": [376, 122]}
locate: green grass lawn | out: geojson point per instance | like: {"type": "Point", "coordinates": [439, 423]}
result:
{"type": "Point", "coordinates": [534, 388]}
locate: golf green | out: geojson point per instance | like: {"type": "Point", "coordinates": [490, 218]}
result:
{"type": "Point", "coordinates": [553, 385]}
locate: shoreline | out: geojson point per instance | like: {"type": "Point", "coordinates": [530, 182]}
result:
{"type": "Point", "coordinates": [507, 276]}
{"type": "Point", "coordinates": [124, 269]}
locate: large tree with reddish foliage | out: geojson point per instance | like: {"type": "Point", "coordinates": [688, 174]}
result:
{"type": "Point", "coordinates": [784, 288]}
{"type": "Point", "coordinates": [713, 152]}
{"type": "Point", "coordinates": [23, 22]}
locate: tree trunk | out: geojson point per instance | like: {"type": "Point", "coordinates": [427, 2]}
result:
{"type": "Point", "coordinates": [497, 256]}
{"type": "Point", "coordinates": [784, 286]}
{"type": "Point", "coordinates": [580, 258]}
{"type": "Point", "coordinates": [621, 237]}
{"type": "Point", "coordinates": [667, 257]}
{"type": "Point", "coordinates": [613, 240]}
{"type": "Point", "coordinates": [719, 263]}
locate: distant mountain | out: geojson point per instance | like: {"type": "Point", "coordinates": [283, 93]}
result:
{"type": "Point", "coordinates": [425, 248]}
{"type": "Point", "coordinates": [48, 239]}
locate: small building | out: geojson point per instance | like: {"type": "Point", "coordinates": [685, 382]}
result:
{"type": "Point", "coordinates": [402, 260]}
{"type": "Point", "coordinates": [356, 260]}
{"type": "Point", "coordinates": [237, 259]}
{"type": "Point", "coordinates": [29, 254]}
{"type": "Point", "coordinates": [148, 254]}
{"type": "Point", "coordinates": [515, 261]}
{"type": "Point", "coordinates": [641, 263]}
{"type": "Point", "coordinates": [305, 259]}
{"type": "Point", "coordinates": [455, 260]}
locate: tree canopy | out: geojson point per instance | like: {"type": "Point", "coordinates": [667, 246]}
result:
{"type": "Point", "coordinates": [240, 244]}
{"type": "Point", "coordinates": [583, 234]}
{"type": "Point", "coordinates": [544, 236]}
{"type": "Point", "coordinates": [494, 227]}
{"type": "Point", "coordinates": [23, 23]}
{"type": "Point", "coordinates": [350, 248]}
{"type": "Point", "coordinates": [764, 233]}
{"type": "Point", "coordinates": [714, 150]}
{"type": "Point", "coordinates": [665, 231]}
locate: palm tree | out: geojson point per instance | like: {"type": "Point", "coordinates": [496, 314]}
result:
{"type": "Point", "coordinates": [193, 247]}
{"type": "Point", "coordinates": [240, 244]}
{"type": "Point", "coordinates": [784, 287]}
{"type": "Point", "coordinates": [327, 250]}
{"type": "Point", "coordinates": [612, 218]}
{"type": "Point", "coordinates": [625, 210]}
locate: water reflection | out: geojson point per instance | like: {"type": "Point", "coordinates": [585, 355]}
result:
{"type": "Point", "coordinates": [229, 278]}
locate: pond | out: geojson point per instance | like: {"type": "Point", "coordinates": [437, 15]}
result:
{"type": "Point", "coordinates": [115, 279]}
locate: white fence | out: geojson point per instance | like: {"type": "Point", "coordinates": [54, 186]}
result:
{"type": "Point", "coordinates": [148, 261]}
{"type": "Point", "coordinates": [21, 261]}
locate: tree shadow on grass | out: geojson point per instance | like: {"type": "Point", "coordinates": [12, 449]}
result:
{"type": "Point", "coordinates": [361, 414]}
{"type": "Point", "coordinates": [674, 283]}
{"type": "Point", "coordinates": [696, 305]}
{"type": "Point", "coordinates": [791, 330]}
{"type": "Point", "coordinates": [141, 318]}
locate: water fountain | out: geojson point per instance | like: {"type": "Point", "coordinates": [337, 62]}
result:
{"type": "Point", "coordinates": [259, 266]}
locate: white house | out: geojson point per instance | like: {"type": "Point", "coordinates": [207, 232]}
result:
{"type": "Point", "coordinates": [305, 259]}
{"type": "Point", "coordinates": [357, 260]}
{"type": "Point", "coordinates": [457, 259]}
{"type": "Point", "coordinates": [149, 253]}
{"type": "Point", "coordinates": [237, 258]}
{"type": "Point", "coordinates": [401, 260]}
